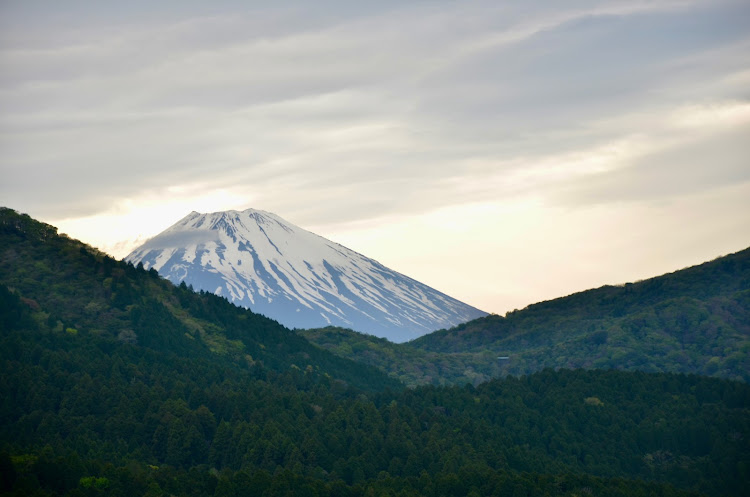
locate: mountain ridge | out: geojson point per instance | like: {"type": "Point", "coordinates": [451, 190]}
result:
{"type": "Point", "coordinates": [722, 276]}
{"type": "Point", "coordinates": [258, 260]}
{"type": "Point", "coordinates": [694, 320]}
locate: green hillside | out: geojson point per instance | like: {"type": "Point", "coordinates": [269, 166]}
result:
{"type": "Point", "coordinates": [696, 320]}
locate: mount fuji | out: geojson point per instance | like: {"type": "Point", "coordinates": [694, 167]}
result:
{"type": "Point", "coordinates": [260, 261]}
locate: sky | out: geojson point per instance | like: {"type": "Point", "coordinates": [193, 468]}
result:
{"type": "Point", "coordinates": [504, 153]}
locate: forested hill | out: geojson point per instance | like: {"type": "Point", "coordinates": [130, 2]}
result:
{"type": "Point", "coordinates": [696, 320]}
{"type": "Point", "coordinates": [73, 289]}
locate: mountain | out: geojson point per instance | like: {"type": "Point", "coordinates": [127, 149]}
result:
{"type": "Point", "coordinates": [696, 320]}
{"type": "Point", "coordinates": [260, 261]}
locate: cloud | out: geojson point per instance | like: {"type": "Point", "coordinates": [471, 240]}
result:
{"type": "Point", "coordinates": [344, 113]}
{"type": "Point", "coordinates": [693, 149]}
{"type": "Point", "coordinates": [503, 152]}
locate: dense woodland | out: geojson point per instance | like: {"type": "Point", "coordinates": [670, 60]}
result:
{"type": "Point", "coordinates": [115, 382]}
{"type": "Point", "coordinates": [696, 320]}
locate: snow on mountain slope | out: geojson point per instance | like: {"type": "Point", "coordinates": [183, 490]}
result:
{"type": "Point", "coordinates": [258, 260]}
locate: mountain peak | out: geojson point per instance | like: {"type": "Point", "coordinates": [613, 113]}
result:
{"type": "Point", "coordinates": [199, 220]}
{"type": "Point", "coordinates": [258, 260]}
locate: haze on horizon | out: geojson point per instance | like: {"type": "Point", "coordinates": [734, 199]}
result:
{"type": "Point", "coordinates": [502, 153]}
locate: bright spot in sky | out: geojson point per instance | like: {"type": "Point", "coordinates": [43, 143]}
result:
{"type": "Point", "coordinates": [132, 221]}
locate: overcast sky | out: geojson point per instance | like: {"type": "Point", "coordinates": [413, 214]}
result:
{"type": "Point", "coordinates": [501, 152]}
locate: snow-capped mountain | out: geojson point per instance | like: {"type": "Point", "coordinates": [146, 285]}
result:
{"type": "Point", "coordinates": [258, 260]}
